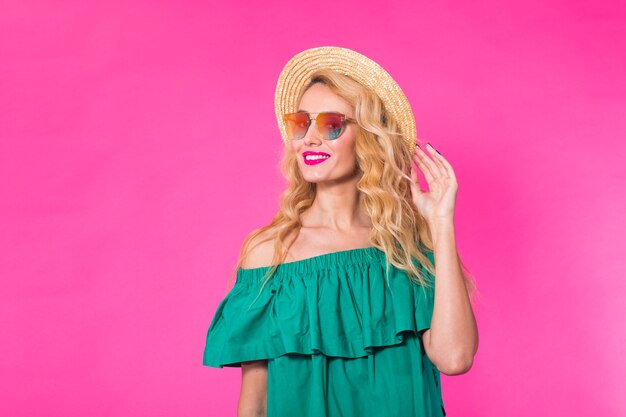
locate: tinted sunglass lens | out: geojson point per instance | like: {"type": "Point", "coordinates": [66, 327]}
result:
{"type": "Point", "coordinates": [296, 125]}
{"type": "Point", "coordinates": [330, 125]}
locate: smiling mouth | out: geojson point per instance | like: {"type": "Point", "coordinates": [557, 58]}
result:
{"type": "Point", "coordinates": [314, 159]}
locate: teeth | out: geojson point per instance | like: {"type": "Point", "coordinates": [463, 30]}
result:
{"type": "Point", "coordinates": [314, 157]}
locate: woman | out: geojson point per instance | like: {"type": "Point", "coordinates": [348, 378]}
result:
{"type": "Point", "coordinates": [338, 309]}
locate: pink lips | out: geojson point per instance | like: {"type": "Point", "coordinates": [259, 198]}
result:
{"type": "Point", "coordinates": [314, 161]}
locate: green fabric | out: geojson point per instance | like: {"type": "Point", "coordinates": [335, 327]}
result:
{"type": "Point", "coordinates": [339, 339]}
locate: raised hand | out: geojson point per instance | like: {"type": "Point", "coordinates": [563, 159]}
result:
{"type": "Point", "coordinates": [438, 203]}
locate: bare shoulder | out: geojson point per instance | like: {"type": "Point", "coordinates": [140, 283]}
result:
{"type": "Point", "coordinates": [260, 252]}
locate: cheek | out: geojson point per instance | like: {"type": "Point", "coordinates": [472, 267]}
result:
{"type": "Point", "coordinates": [294, 148]}
{"type": "Point", "coordinates": [345, 148]}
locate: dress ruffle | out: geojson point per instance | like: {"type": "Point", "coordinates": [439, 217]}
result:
{"type": "Point", "coordinates": [336, 304]}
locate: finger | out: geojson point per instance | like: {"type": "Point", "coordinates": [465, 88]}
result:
{"type": "Point", "coordinates": [436, 162]}
{"type": "Point", "coordinates": [444, 162]}
{"type": "Point", "coordinates": [415, 185]}
{"type": "Point", "coordinates": [419, 161]}
{"type": "Point", "coordinates": [426, 165]}
{"type": "Point", "coordinates": [412, 173]}
{"type": "Point", "coordinates": [427, 160]}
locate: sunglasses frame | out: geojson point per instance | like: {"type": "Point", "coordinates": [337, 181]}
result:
{"type": "Point", "coordinates": [344, 120]}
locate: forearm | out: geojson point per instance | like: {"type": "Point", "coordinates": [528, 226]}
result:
{"type": "Point", "coordinates": [453, 335]}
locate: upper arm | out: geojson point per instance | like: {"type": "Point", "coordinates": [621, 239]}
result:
{"type": "Point", "coordinates": [253, 396]}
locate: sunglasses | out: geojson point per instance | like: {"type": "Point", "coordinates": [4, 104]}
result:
{"type": "Point", "coordinates": [330, 125]}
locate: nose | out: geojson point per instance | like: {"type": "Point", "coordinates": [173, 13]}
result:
{"type": "Point", "coordinates": [311, 136]}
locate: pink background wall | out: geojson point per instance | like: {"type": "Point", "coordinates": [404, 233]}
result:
{"type": "Point", "coordinates": [139, 147]}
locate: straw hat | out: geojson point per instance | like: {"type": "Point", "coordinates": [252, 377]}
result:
{"type": "Point", "coordinates": [298, 70]}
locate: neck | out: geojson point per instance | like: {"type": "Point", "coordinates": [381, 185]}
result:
{"type": "Point", "coordinates": [337, 206]}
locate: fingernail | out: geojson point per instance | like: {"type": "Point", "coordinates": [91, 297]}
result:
{"type": "Point", "coordinates": [434, 148]}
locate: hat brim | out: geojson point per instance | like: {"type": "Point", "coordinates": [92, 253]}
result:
{"type": "Point", "coordinates": [298, 70]}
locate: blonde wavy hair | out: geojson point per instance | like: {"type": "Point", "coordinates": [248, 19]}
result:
{"type": "Point", "coordinates": [383, 163]}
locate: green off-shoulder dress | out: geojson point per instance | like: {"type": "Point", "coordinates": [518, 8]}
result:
{"type": "Point", "coordinates": [339, 339]}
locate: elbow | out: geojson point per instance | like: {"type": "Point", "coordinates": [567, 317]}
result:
{"type": "Point", "coordinates": [250, 412]}
{"type": "Point", "coordinates": [457, 364]}
{"type": "Point", "coordinates": [456, 358]}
